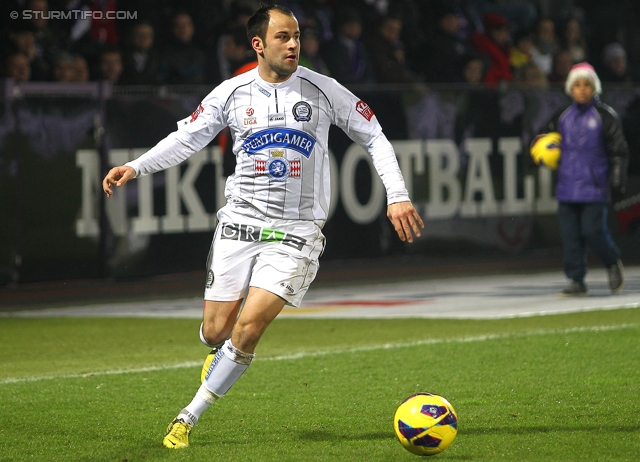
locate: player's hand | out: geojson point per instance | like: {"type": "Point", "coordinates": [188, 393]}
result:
{"type": "Point", "coordinates": [117, 176]}
{"type": "Point", "coordinates": [405, 220]}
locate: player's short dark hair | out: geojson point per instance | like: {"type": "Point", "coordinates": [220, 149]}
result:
{"type": "Point", "coordinates": [259, 22]}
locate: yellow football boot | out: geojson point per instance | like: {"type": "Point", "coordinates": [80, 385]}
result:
{"type": "Point", "coordinates": [177, 436]}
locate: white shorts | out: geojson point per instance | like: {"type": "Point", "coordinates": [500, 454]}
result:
{"type": "Point", "coordinates": [249, 249]}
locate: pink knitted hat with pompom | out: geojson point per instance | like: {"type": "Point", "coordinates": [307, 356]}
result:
{"type": "Point", "coordinates": [583, 71]}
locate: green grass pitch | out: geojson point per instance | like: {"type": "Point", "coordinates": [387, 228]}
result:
{"type": "Point", "coordinates": [556, 388]}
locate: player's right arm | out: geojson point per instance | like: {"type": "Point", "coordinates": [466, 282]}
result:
{"type": "Point", "coordinates": [117, 176]}
{"type": "Point", "coordinates": [193, 134]}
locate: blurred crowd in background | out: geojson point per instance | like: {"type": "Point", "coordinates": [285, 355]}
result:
{"type": "Point", "coordinates": [187, 42]}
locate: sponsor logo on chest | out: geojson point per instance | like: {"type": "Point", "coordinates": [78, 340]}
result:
{"type": "Point", "coordinates": [281, 137]}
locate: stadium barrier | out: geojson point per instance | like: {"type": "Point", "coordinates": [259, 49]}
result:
{"type": "Point", "coordinates": [463, 152]}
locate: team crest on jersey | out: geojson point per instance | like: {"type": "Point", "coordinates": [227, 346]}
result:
{"type": "Point", "coordinates": [592, 123]}
{"type": "Point", "coordinates": [302, 112]}
{"type": "Point", "coordinates": [364, 110]}
{"type": "Point", "coordinates": [277, 167]}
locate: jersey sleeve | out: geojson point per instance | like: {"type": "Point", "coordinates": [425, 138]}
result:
{"type": "Point", "coordinates": [193, 134]}
{"type": "Point", "coordinates": [358, 121]}
{"type": "Point", "coordinates": [616, 147]}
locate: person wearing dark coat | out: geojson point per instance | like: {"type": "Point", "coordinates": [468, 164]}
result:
{"type": "Point", "coordinates": [345, 54]}
{"type": "Point", "coordinates": [141, 62]}
{"type": "Point", "coordinates": [592, 168]}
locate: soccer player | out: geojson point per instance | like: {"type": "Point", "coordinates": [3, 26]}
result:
{"type": "Point", "coordinates": [268, 240]}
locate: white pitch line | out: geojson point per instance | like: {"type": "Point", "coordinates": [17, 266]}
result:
{"type": "Point", "coordinates": [313, 354]}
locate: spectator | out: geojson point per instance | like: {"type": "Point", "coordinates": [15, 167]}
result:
{"type": "Point", "coordinates": [218, 67]}
{"type": "Point", "coordinates": [468, 15]}
{"type": "Point", "coordinates": [530, 76]}
{"type": "Point", "coordinates": [387, 52]}
{"type": "Point", "coordinates": [520, 14]}
{"type": "Point", "coordinates": [521, 49]}
{"type": "Point", "coordinates": [614, 60]}
{"type": "Point", "coordinates": [77, 27]}
{"type": "Point", "coordinates": [238, 51]}
{"type": "Point", "coordinates": [345, 54]}
{"type": "Point", "coordinates": [572, 39]}
{"type": "Point", "coordinates": [141, 62]}
{"type": "Point", "coordinates": [495, 45]}
{"type": "Point", "coordinates": [477, 108]}
{"type": "Point", "coordinates": [314, 14]}
{"type": "Point", "coordinates": [110, 65]}
{"type": "Point", "coordinates": [81, 69]}
{"type": "Point", "coordinates": [17, 67]}
{"type": "Point", "coordinates": [447, 52]}
{"type": "Point", "coordinates": [24, 41]}
{"type": "Point", "coordinates": [472, 70]}
{"type": "Point", "coordinates": [184, 61]}
{"type": "Point", "coordinates": [310, 51]}
{"type": "Point", "coordinates": [63, 67]}
{"type": "Point", "coordinates": [46, 39]}
{"type": "Point", "coordinates": [545, 45]}
{"type": "Point", "coordinates": [562, 63]}
{"type": "Point", "coordinates": [104, 28]}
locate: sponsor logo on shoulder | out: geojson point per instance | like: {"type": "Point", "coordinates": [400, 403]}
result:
{"type": "Point", "coordinates": [364, 110]}
{"type": "Point", "coordinates": [262, 90]}
{"type": "Point", "coordinates": [196, 113]}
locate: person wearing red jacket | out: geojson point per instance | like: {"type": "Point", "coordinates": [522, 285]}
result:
{"type": "Point", "coordinates": [495, 45]}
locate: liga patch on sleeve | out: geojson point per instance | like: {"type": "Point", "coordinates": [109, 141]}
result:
{"type": "Point", "coordinates": [196, 113]}
{"type": "Point", "coordinates": [364, 110]}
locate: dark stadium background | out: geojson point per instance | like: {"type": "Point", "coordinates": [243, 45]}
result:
{"type": "Point", "coordinates": [43, 125]}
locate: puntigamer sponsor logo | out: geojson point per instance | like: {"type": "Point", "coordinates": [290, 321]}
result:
{"type": "Point", "coordinates": [280, 138]}
{"type": "Point", "coordinates": [250, 233]}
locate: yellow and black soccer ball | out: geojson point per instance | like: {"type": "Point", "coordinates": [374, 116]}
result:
{"type": "Point", "coordinates": [545, 149]}
{"type": "Point", "coordinates": [425, 424]}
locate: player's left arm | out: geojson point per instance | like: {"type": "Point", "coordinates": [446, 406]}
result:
{"type": "Point", "coordinates": [616, 147]}
{"type": "Point", "coordinates": [359, 122]}
{"type": "Point", "coordinates": [405, 220]}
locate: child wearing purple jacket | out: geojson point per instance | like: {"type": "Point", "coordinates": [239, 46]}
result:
{"type": "Point", "coordinates": [593, 166]}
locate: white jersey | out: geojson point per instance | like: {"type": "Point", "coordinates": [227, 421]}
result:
{"type": "Point", "coordinates": [280, 139]}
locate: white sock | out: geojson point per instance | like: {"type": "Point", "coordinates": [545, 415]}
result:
{"type": "Point", "coordinates": [227, 367]}
{"type": "Point", "coordinates": [200, 403]}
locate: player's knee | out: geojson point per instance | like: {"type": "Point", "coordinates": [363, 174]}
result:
{"type": "Point", "coordinates": [212, 337]}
